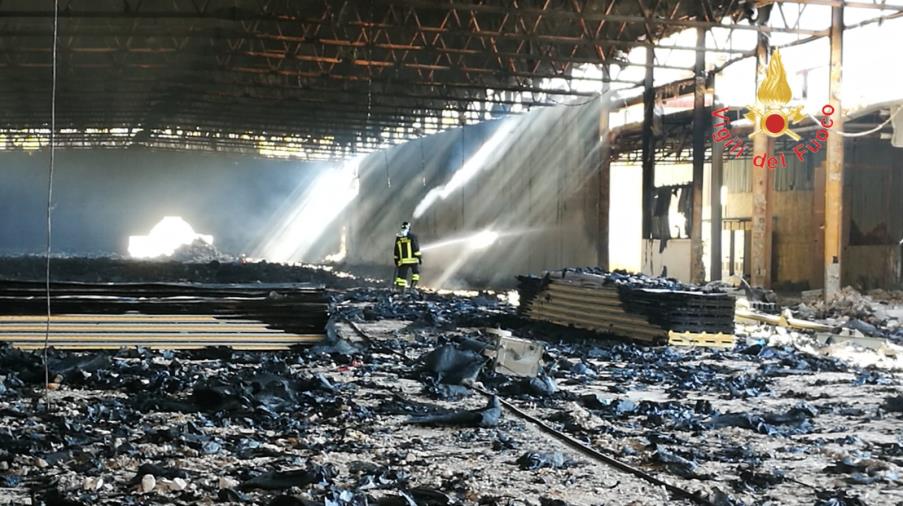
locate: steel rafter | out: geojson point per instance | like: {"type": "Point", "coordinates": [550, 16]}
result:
{"type": "Point", "coordinates": [337, 75]}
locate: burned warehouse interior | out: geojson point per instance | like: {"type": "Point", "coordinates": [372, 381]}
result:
{"type": "Point", "coordinates": [454, 252]}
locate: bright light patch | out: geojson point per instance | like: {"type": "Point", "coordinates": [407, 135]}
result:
{"type": "Point", "coordinates": [488, 153]}
{"type": "Point", "coordinates": [165, 238]}
{"type": "Point", "coordinates": [303, 225]}
{"type": "Point", "coordinates": [340, 255]}
{"type": "Point", "coordinates": [483, 240]}
{"type": "Point", "coordinates": [513, 297]}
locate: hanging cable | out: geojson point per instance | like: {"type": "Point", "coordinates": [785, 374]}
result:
{"type": "Point", "coordinates": [49, 243]}
{"type": "Point", "coordinates": [422, 162]}
{"type": "Point", "coordinates": [386, 162]}
{"type": "Point", "coordinates": [860, 134]}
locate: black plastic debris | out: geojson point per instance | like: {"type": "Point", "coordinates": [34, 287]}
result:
{"type": "Point", "coordinates": [430, 497]}
{"type": "Point", "coordinates": [231, 495]}
{"type": "Point", "coordinates": [485, 417]}
{"type": "Point", "coordinates": [428, 310]}
{"type": "Point", "coordinates": [839, 497]}
{"type": "Point", "coordinates": [10, 480]}
{"type": "Point", "coordinates": [342, 497]}
{"type": "Point", "coordinates": [796, 420]}
{"type": "Point", "coordinates": [872, 378]}
{"type": "Point", "coordinates": [288, 500]}
{"type": "Point", "coordinates": [581, 369]}
{"type": "Point", "coordinates": [613, 406]}
{"type": "Point", "coordinates": [722, 498]}
{"type": "Point", "coordinates": [542, 386]}
{"type": "Point", "coordinates": [750, 478]}
{"type": "Point", "coordinates": [372, 476]}
{"type": "Point", "coordinates": [452, 365]}
{"type": "Point", "coordinates": [400, 499]}
{"type": "Point", "coordinates": [78, 366]}
{"type": "Point", "coordinates": [675, 464]}
{"type": "Point", "coordinates": [211, 353]}
{"type": "Point", "coordinates": [281, 480]}
{"type": "Point", "coordinates": [594, 401]}
{"type": "Point", "coordinates": [420, 496]}
{"type": "Point", "coordinates": [539, 460]}
{"type": "Point", "coordinates": [866, 328]}
{"type": "Point", "coordinates": [333, 343]}
{"type": "Point", "coordinates": [893, 404]}
{"type": "Point", "coordinates": [55, 498]}
{"type": "Point", "coordinates": [218, 398]}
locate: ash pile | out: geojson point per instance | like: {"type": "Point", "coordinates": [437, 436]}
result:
{"type": "Point", "coordinates": [632, 306]}
{"type": "Point", "coordinates": [876, 313]}
{"type": "Point", "coordinates": [199, 251]}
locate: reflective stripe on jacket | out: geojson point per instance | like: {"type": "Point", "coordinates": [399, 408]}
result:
{"type": "Point", "coordinates": [407, 250]}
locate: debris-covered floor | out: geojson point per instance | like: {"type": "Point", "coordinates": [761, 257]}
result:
{"type": "Point", "coordinates": [377, 416]}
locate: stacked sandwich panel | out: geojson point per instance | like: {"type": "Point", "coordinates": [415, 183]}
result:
{"type": "Point", "coordinates": [162, 315]}
{"type": "Point", "coordinates": [630, 306]}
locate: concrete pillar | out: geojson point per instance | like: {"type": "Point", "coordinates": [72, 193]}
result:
{"type": "Point", "coordinates": [648, 141]}
{"type": "Point", "coordinates": [604, 176]}
{"type": "Point", "coordinates": [817, 274]}
{"type": "Point", "coordinates": [760, 249]}
{"type": "Point", "coordinates": [715, 199]}
{"type": "Point", "coordinates": [834, 164]}
{"type": "Point", "coordinates": [700, 129]}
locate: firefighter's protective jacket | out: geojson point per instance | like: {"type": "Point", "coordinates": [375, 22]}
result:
{"type": "Point", "coordinates": [407, 250]}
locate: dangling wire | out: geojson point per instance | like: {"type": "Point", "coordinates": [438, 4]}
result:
{"type": "Point", "coordinates": [50, 189]}
{"type": "Point", "coordinates": [860, 134]}
{"type": "Point", "coordinates": [386, 162]}
{"type": "Point", "coordinates": [422, 162]}
{"type": "Point", "coordinates": [461, 149]}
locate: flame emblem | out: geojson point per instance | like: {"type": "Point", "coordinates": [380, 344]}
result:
{"type": "Point", "coordinates": [771, 115]}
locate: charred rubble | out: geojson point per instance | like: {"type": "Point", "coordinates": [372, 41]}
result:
{"type": "Point", "coordinates": [392, 409]}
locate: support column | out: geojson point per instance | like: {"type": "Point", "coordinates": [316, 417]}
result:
{"type": "Point", "coordinates": [732, 260]}
{"type": "Point", "coordinates": [817, 275]}
{"type": "Point", "coordinates": [715, 200]}
{"type": "Point", "coordinates": [648, 142]}
{"type": "Point", "coordinates": [700, 129]}
{"type": "Point", "coordinates": [834, 164]}
{"type": "Point", "coordinates": [760, 249]}
{"type": "Point", "coordinates": [604, 175]}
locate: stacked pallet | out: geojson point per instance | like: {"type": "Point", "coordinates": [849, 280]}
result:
{"type": "Point", "coordinates": [163, 315]}
{"type": "Point", "coordinates": [650, 310]}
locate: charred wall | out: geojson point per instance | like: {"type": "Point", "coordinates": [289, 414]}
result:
{"type": "Point", "coordinates": [873, 212]}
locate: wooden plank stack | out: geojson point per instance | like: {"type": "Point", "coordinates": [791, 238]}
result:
{"type": "Point", "coordinates": [626, 305]}
{"type": "Point", "coordinates": [163, 315]}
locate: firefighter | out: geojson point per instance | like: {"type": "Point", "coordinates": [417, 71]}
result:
{"type": "Point", "coordinates": [407, 257]}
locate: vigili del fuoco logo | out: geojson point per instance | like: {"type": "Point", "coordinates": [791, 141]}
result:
{"type": "Point", "coordinates": [775, 117]}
